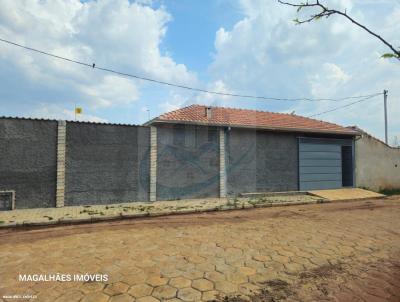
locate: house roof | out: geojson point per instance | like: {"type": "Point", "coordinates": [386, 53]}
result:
{"type": "Point", "coordinates": [244, 118]}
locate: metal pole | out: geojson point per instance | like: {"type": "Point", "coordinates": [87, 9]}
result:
{"type": "Point", "coordinates": [386, 121]}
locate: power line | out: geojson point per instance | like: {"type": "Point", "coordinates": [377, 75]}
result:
{"type": "Point", "coordinates": [93, 66]}
{"type": "Point", "coordinates": [347, 105]}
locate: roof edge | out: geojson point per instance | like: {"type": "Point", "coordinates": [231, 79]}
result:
{"type": "Point", "coordinates": [282, 129]}
{"type": "Point", "coordinates": [363, 132]}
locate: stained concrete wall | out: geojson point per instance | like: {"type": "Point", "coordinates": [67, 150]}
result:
{"type": "Point", "coordinates": [261, 161]}
{"type": "Point", "coordinates": [187, 162]}
{"type": "Point", "coordinates": [377, 164]}
{"type": "Point", "coordinates": [106, 164]}
{"type": "Point", "coordinates": [28, 161]}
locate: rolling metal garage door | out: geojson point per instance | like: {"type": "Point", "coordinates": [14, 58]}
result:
{"type": "Point", "coordinates": [320, 163]}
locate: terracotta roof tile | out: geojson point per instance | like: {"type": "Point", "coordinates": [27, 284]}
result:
{"type": "Point", "coordinates": [223, 116]}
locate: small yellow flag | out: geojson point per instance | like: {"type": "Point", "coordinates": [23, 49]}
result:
{"type": "Point", "coordinates": [78, 110]}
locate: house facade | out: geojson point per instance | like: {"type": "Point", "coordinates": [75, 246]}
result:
{"type": "Point", "coordinates": [215, 151]}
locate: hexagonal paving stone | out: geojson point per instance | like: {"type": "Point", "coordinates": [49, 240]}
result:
{"type": "Point", "coordinates": [209, 295]}
{"type": "Point", "coordinates": [95, 297]}
{"type": "Point", "coordinates": [196, 259]}
{"type": "Point", "coordinates": [140, 290]}
{"type": "Point", "coordinates": [261, 258]}
{"type": "Point", "coordinates": [205, 266]}
{"type": "Point", "coordinates": [147, 299]}
{"type": "Point", "coordinates": [248, 289]}
{"type": "Point", "coordinates": [189, 294]}
{"type": "Point", "coordinates": [170, 272]}
{"type": "Point", "coordinates": [248, 271]}
{"type": "Point", "coordinates": [89, 287]}
{"type": "Point", "coordinates": [49, 295]}
{"type": "Point", "coordinates": [280, 259]}
{"type": "Point", "coordinates": [202, 284]}
{"type": "Point", "coordinates": [273, 265]}
{"type": "Point", "coordinates": [293, 267]}
{"type": "Point", "coordinates": [193, 274]}
{"type": "Point", "coordinates": [164, 292]}
{"type": "Point", "coordinates": [116, 288]}
{"type": "Point", "coordinates": [70, 296]}
{"type": "Point", "coordinates": [214, 276]}
{"type": "Point", "coordinates": [157, 281]}
{"type": "Point", "coordinates": [225, 268]}
{"type": "Point", "coordinates": [262, 277]}
{"type": "Point", "coordinates": [236, 278]}
{"type": "Point", "coordinates": [122, 298]}
{"type": "Point", "coordinates": [134, 279]}
{"type": "Point", "coordinates": [180, 282]}
{"type": "Point", "coordinates": [225, 286]}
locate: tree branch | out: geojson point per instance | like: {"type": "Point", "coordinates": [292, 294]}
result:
{"type": "Point", "coordinates": [326, 12]}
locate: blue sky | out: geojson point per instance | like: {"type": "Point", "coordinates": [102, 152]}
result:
{"type": "Point", "coordinates": [236, 46]}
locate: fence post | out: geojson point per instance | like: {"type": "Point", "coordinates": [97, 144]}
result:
{"type": "Point", "coordinates": [153, 163]}
{"type": "Point", "coordinates": [222, 170]}
{"type": "Point", "coordinates": [61, 146]}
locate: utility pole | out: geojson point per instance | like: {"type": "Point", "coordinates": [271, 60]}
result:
{"type": "Point", "coordinates": [386, 121]}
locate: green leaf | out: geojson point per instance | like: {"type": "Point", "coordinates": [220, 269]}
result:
{"type": "Point", "coordinates": [388, 55]}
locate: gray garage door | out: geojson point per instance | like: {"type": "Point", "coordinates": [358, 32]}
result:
{"type": "Point", "coordinates": [320, 163]}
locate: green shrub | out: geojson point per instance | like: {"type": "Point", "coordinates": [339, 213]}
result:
{"type": "Point", "coordinates": [390, 191]}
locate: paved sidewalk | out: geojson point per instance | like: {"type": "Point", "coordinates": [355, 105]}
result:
{"type": "Point", "coordinates": [78, 214]}
{"type": "Point", "coordinates": [346, 194]}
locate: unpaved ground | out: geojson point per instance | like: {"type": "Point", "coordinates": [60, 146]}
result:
{"type": "Point", "coordinates": [347, 251]}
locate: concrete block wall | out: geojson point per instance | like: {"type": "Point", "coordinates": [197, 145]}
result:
{"type": "Point", "coordinates": [50, 163]}
{"type": "Point", "coordinates": [57, 163]}
{"type": "Point", "coordinates": [261, 161]}
{"type": "Point", "coordinates": [377, 164]}
{"type": "Point", "coordinates": [28, 161]}
{"type": "Point", "coordinates": [187, 162]}
{"type": "Point", "coordinates": [106, 164]}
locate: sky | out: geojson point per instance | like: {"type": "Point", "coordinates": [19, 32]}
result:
{"type": "Point", "coordinates": [234, 46]}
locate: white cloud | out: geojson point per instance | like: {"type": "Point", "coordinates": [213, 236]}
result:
{"type": "Point", "coordinates": [52, 111]}
{"type": "Point", "coordinates": [112, 90]}
{"type": "Point", "coordinates": [327, 80]}
{"type": "Point", "coordinates": [115, 34]}
{"type": "Point", "coordinates": [264, 53]}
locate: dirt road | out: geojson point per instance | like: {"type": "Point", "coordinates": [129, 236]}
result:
{"type": "Point", "coordinates": [348, 251]}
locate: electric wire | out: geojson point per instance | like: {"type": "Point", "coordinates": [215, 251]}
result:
{"type": "Point", "coordinates": [347, 105]}
{"type": "Point", "coordinates": [124, 74]}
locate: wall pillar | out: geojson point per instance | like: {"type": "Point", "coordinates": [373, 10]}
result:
{"type": "Point", "coordinates": [222, 169]}
{"type": "Point", "coordinates": [153, 163]}
{"type": "Point", "coordinates": [61, 148]}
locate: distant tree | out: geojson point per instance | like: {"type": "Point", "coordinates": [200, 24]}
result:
{"type": "Point", "coordinates": [324, 11]}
